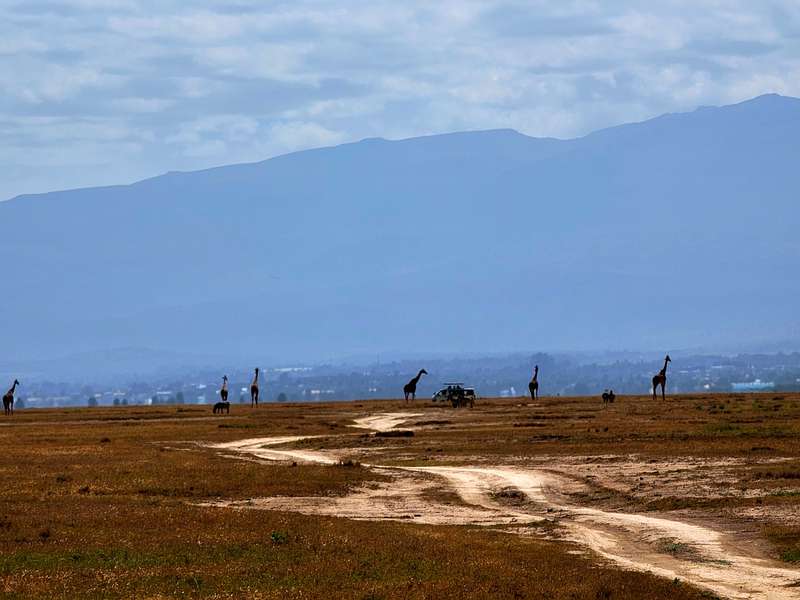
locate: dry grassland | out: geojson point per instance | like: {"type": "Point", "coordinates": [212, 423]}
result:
{"type": "Point", "coordinates": [114, 502]}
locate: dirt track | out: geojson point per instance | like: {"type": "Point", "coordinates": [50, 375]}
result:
{"type": "Point", "coordinates": [701, 554]}
{"type": "Point", "coordinates": [384, 421]}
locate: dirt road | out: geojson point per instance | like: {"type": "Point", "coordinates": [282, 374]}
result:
{"type": "Point", "coordinates": [262, 448]}
{"type": "Point", "coordinates": [501, 495]}
{"type": "Point", "coordinates": [384, 421]}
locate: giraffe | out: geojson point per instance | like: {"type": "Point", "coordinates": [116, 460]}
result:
{"type": "Point", "coordinates": [254, 391]}
{"type": "Point", "coordinates": [533, 386]}
{"type": "Point", "coordinates": [661, 379]}
{"type": "Point", "coordinates": [410, 389]}
{"type": "Point", "coordinates": [223, 392]}
{"type": "Point", "coordinates": [8, 399]}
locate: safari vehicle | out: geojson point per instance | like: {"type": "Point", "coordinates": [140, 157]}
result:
{"type": "Point", "coordinates": [456, 394]}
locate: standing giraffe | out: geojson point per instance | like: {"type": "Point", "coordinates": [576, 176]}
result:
{"type": "Point", "coordinates": [533, 386]}
{"type": "Point", "coordinates": [254, 391]}
{"type": "Point", "coordinates": [223, 391]}
{"type": "Point", "coordinates": [8, 399]}
{"type": "Point", "coordinates": [661, 379]}
{"type": "Point", "coordinates": [410, 389]}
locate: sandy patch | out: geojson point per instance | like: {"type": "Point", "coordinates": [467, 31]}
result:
{"type": "Point", "coordinates": [698, 554]}
{"type": "Point", "coordinates": [262, 448]}
{"type": "Point", "coordinates": [384, 421]}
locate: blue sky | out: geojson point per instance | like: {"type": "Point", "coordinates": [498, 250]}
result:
{"type": "Point", "coordinates": [111, 91]}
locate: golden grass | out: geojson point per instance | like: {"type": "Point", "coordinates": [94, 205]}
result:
{"type": "Point", "coordinates": [103, 502]}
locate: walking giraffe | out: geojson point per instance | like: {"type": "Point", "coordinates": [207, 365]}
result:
{"type": "Point", "coordinates": [254, 391]}
{"type": "Point", "coordinates": [8, 399]}
{"type": "Point", "coordinates": [533, 386]}
{"type": "Point", "coordinates": [661, 379]}
{"type": "Point", "coordinates": [410, 389]}
{"type": "Point", "coordinates": [223, 391]}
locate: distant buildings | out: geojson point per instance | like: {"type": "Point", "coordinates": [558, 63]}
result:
{"type": "Point", "coordinates": [504, 376]}
{"type": "Point", "coordinates": [753, 386]}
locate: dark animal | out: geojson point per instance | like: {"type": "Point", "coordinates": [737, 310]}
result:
{"type": "Point", "coordinates": [223, 392]}
{"type": "Point", "coordinates": [608, 396]}
{"type": "Point", "coordinates": [8, 399]}
{"type": "Point", "coordinates": [410, 389]}
{"type": "Point", "coordinates": [661, 379]}
{"type": "Point", "coordinates": [220, 406]}
{"type": "Point", "coordinates": [533, 386]}
{"type": "Point", "coordinates": [254, 391]}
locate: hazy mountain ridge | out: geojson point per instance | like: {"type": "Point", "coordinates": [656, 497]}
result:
{"type": "Point", "coordinates": [673, 231]}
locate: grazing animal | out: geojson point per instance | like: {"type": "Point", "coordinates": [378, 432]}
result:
{"type": "Point", "coordinates": [410, 389]}
{"type": "Point", "coordinates": [254, 391]}
{"type": "Point", "coordinates": [608, 396]}
{"type": "Point", "coordinates": [223, 392]}
{"type": "Point", "coordinates": [661, 379]}
{"type": "Point", "coordinates": [533, 386]}
{"type": "Point", "coordinates": [8, 399]}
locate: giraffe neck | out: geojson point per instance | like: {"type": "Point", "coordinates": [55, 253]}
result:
{"type": "Point", "coordinates": [13, 388]}
{"type": "Point", "coordinates": [664, 370]}
{"type": "Point", "coordinates": [255, 379]}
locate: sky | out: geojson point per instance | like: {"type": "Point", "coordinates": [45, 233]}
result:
{"type": "Point", "coordinates": [96, 92]}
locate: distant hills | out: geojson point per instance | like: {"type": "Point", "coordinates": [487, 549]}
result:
{"type": "Point", "coordinates": [677, 231]}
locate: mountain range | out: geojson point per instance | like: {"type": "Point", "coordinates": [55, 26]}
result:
{"type": "Point", "coordinates": [676, 231]}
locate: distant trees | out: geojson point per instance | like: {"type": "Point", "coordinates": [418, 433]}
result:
{"type": "Point", "coordinates": [163, 398]}
{"type": "Point", "coordinates": [282, 397]}
{"type": "Point", "coordinates": [20, 403]}
{"type": "Point", "coordinates": [92, 402]}
{"type": "Point", "coordinates": [581, 389]}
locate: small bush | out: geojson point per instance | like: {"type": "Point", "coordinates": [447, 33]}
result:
{"type": "Point", "coordinates": [395, 433]}
{"type": "Point", "coordinates": [791, 555]}
{"type": "Point", "coordinates": [279, 537]}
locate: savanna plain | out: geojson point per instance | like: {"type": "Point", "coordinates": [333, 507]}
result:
{"type": "Point", "coordinates": [697, 496]}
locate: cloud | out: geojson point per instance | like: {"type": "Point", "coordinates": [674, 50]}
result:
{"type": "Point", "coordinates": [96, 89]}
{"type": "Point", "coordinates": [143, 105]}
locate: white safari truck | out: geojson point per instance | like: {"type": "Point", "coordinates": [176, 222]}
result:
{"type": "Point", "coordinates": [456, 394]}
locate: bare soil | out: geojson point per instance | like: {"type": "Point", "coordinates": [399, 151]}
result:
{"type": "Point", "coordinates": [567, 493]}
